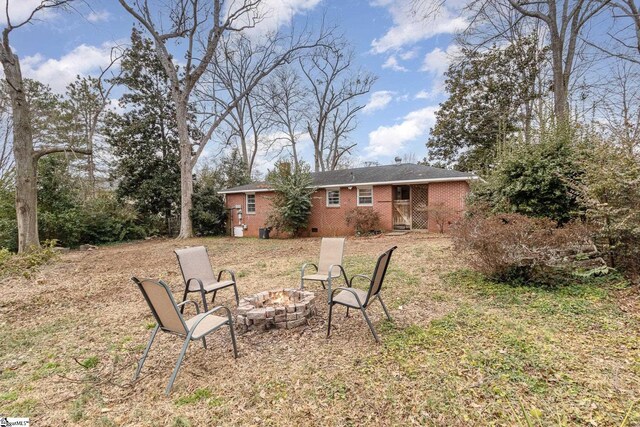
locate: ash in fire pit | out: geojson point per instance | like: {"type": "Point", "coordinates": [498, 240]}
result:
{"type": "Point", "coordinates": [285, 309]}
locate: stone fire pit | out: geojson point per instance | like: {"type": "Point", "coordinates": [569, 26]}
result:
{"type": "Point", "coordinates": [285, 309]}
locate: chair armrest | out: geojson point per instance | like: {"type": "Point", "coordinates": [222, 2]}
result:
{"type": "Point", "coordinates": [190, 301]}
{"type": "Point", "coordinates": [304, 267]}
{"type": "Point", "coordinates": [231, 273]}
{"type": "Point", "coordinates": [197, 280]}
{"type": "Point", "coordinates": [342, 288]}
{"type": "Point", "coordinates": [359, 275]}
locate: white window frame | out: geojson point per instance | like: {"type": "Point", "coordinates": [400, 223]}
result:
{"type": "Point", "coordinates": [247, 203]}
{"type": "Point", "coordinates": [370, 188]}
{"type": "Point", "coordinates": [332, 205]}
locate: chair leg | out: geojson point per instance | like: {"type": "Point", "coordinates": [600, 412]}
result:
{"type": "Point", "coordinates": [235, 290]}
{"type": "Point", "coordinates": [384, 307]}
{"type": "Point", "coordinates": [178, 363]}
{"type": "Point", "coordinates": [323, 286]}
{"type": "Point", "coordinates": [204, 301]}
{"type": "Point", "coordinates": [233, 341]}
{"type": "Point", "coordinates": [213, 300]}
{"type": "Point", "coordinates": [373, 331]}
{"type": "Point", "coordinates": [146, 351]}
{"type": "Point", "coordinates": [184, 298]}
{"type": "Point", "coordinates": [347, 315]}
{"type": "Point", "coordinates": [329, 322]}
{"type": "Point", "coordinates": [204, 343]}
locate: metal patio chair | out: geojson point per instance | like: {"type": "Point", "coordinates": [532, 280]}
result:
{"type": "Point", "coordinates": [199, 277]}
{"type": "Point", "coordinates": [169, 319]}
{"type": "Point", "coordinates": [331, 253]}
{"type": "Point", "coordinates": [351, 297]}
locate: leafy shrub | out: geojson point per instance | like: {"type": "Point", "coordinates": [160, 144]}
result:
{"type": "Point", "coordinates": [533, 179]}
{"type": "Point", "coordinates": [610, 191]}
{"type": "Point", "coordinates": [363, 220]}
{"type": "Point", "coordinates": [514, 247]}
{"type": "Point", "coordinates": [291, 205]}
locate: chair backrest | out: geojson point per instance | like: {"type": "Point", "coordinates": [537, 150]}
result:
{"type": "Point", "coordinates": [379, 273]}
{"type": "Point", "coordinates": [162, 305]}
{"type": "Point", "coordinates": [194, 263]}
{"type": "Point", "coordinates": [331, 252]}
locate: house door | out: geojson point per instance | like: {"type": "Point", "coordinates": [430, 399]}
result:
{"type": "Point", "coordinates": [402, 207]}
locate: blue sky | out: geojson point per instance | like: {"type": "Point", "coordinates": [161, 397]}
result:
{"type": "Point", "coordinates": [408, 56]}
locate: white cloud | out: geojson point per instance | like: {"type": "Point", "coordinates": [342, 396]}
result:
{"type": "Point", "coordinates": [410, 54]}
{"type": "Point", "coordinates": [276, 13]}
{"type": "Point", "coordinates": [437, 61]}
{"type": "Point", "coordinates": [393, 64]}
{"type": "Point", "coordinates": [98, 16]}
{"type": "Point", "coordinates": [423, 94]}
{"type": "Point", "coordinates": [58, 73]}
{"type": "Point", "coordinates": [410, 27]}
{"type": "Point", "coordinates": [378, 101]}
{"type": "Point", "coordinates": [19, 10]}
{"type": "Point", "coordinates": [389, 140]}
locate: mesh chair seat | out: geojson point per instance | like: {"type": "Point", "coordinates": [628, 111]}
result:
{"type": "Point", "coordinates": [348, 299]}
{"type": "Point", "coordinates": [209, 285]}
{"type": "Point", "coordinates": [318, 277]}
{"type": "Point", "coordinates": [208, 324]}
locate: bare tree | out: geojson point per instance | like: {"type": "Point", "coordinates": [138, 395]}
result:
{"type": "Point", "coordinates": [238, 64]}
{"type": "Point", "coordinates": [284, 97]}
{"type": "Point", "coordinates": [197, 27]}
{"type": "Point", "coordinates": [87, 100]}
{"type": "Point", "coordinates": [334, 91]}
{"type": "Point", "coordinates": [25, 155]}
{"type": "Point", "coordinates": [564, 22]}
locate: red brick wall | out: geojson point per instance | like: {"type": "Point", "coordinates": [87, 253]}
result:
{"type": "Point", "coordinates": [452, 196]}
{"type": "Point", "coordinates": [330, 221]}
{"type": "Point", "coordinates": [253, 221]}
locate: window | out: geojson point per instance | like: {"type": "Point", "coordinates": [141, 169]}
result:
{"type": "Point", "coordinates": [365, 196]}
{"type": "Point", "coordinates": [333, 197]}
{"type": "Point", "coordinates": [251, 203]}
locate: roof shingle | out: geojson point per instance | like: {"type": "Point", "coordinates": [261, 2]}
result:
{"type": "Point", "coordinates": [372, 175]}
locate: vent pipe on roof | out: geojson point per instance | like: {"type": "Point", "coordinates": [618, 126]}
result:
{"type": "Point", "coordinates": [398, 160]}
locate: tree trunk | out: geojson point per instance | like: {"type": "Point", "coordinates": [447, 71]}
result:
{"type": "Point", "coordinates": [25, 162]}
{"type": "Point", "coordinates": [560, 93]}
{"type": "Point", "coordinates": [186, 172]}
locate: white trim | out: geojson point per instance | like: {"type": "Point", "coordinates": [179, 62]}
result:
{"type": "Point", "coordinates": [364, 184]}
{"type": "Point", "coordinates": [246, 203]}
{"type": "Point", "coordinates": [364, 187]}
{"type": "Point", "coordinates": [326, 198]}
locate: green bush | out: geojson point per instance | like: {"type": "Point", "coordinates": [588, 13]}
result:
{"type": "Point", "coordinates": [533, 179]}
{"type": "Point", "coordinates": [291, 205]}
{"type": "Point", "coordinates": [208, 214]}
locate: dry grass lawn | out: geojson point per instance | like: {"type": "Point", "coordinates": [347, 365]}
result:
{"type": "Point", "coordinates": [460, 351]}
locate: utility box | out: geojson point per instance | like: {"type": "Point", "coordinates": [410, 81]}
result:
{"type": "Point", "coordinates": [238, 231]}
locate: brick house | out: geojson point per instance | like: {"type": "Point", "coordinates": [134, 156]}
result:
{"type": "Point", "coordinates": [406, 196]}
